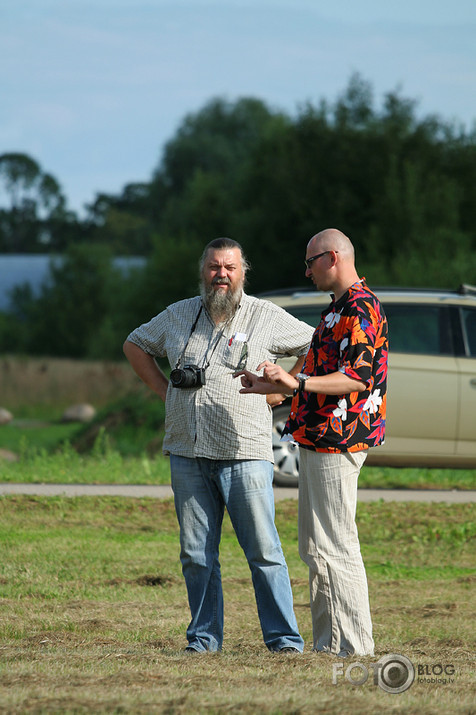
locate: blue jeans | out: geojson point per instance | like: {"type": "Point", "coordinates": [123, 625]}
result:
{"type": "Point", "coordinates": [202, 488]}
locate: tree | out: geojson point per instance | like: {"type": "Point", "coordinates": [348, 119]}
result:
{"type": "Point", "coordinates": [35, 205]}
{"type": "Point", "coordinates": [403, 188]}
{"type": "Point", "coordinates": [74, 300]}
{"type": "Point", "coordinates": [193, 188]}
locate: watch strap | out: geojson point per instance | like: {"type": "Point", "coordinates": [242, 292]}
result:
{"type": "Point", "coordinates": [301, 378]}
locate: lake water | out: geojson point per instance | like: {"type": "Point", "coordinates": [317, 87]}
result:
{"type": "Point", "coordinates": [34, 270]}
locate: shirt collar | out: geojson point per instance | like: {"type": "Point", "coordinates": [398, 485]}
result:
{"type": "Point", "coordinates": [352, 289]}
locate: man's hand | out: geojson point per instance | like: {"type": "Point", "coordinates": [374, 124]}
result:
{"type": "Point", "coordinates": [255, 384]}
{"type": "Point", "coordinates": [275, 380]}
{"type": "Point", "coordinates": [276, 399]}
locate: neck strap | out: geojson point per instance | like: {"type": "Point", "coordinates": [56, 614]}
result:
{"type": "Point", "coordinates": [191, 333]}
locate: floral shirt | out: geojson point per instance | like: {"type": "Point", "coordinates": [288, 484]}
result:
{"type": "Point", "coordinates": [351, 338]}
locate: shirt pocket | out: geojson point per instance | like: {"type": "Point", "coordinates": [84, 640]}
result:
{"type": "Point", "coordinates": [235, 354]}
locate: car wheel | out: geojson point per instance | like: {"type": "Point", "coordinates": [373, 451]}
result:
{"type": "Point", "coordinates": [286, 454]}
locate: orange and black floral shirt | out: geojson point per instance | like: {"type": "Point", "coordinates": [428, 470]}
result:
{"type": "Point", "coordinates": [352, 338]}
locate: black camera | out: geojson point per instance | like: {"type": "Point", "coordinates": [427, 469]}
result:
{"type": "Point", "coordinates": [188, 376]}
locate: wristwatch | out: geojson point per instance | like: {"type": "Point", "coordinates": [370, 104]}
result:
{"type": "Point", "coordinates": [301, 378]}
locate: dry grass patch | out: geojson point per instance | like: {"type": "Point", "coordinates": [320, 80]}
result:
{"type": "Point", "coordinates": [94, 612]}
{"type": "Point", "coordinates": [59, 382]}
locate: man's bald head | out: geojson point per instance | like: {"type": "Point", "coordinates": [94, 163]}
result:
{"type": "Point", "coordinates": [331, 239]}
{"type": "Point", "coordinates": [332, 261]}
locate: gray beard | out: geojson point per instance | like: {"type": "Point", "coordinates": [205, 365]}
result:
{"type": "Point", "coordinates": [221, 306]}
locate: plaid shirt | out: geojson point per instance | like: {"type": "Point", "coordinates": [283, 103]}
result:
{"type": "Point", "coordinates": [215, 421]}
{"type": "Point", "coordinates": [351, 338]}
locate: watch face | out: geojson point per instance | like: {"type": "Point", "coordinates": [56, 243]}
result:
{"type": "Point", "coordinates": [302, 381]}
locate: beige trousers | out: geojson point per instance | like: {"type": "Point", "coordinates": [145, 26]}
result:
{"type": "Point", "coordinates": [329, 545]}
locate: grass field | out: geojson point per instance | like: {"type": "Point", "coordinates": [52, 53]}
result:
{"type": "Point", "coordinates": [93, 614]}
{"type": "Point", "coordinates": [120, 456]}
{"type": "Point", "coordinates": [93, 607]}
{"type": "Point", "coordinates": [123, 444]}
{"type": "Point", "coordinates": [104, 465]}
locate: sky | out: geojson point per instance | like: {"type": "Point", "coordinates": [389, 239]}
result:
{"type": "Point", "coordinates": [93, 89]}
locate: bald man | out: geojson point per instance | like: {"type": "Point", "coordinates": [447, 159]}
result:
{"type": "Point", "coordinates": [337, 414]}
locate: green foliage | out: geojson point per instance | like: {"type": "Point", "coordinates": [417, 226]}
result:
{"type": "Point", "coordinates": [131, 426]}
{"type": "Point", "coordinates": [104, 465]}
{"type": "Point", "coordinates": [171, 274]}
{"type": "Point", "coordinates": [389, 180]}
{"type": "Point", "coordinates": [73, 308]}
{"type": "Point", "coordinates": [118, 447]}
{"type": "Point", "coordinates": [416, 478]}
{"type": "Point", "coordinates": [123, 222]}
{"type": "Point", "coordinates": [402, 187]}
{"type": "Point", "coordinates": [123, 446]}
{"type": "Point", "coordinates": [36, 206]}
{"type": "Point", "coordinates": [35, 436]}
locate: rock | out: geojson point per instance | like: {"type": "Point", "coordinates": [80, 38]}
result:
{"type": "Point", "coordinates": [5, 416]}
{"type": "Point", "coordinates": [8, 456]}
{"type": "Point", "coordinates": [79, 413]}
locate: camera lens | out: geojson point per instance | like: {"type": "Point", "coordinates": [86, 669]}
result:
{"type": "Point", "coordinates": [185, 377]}
{"type": "Point", "coordinates": [178, 377]}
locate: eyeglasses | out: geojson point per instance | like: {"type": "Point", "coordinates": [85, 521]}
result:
{"type": "Point", "coordinates": [308, 261]}
{"type": "Point", "coordinates": [243, 358]}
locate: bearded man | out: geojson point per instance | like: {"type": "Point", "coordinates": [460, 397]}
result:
{"type": "Point", "coordinates": [220, 444]}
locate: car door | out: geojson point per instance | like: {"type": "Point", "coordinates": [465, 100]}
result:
{"type": "Point", "coordinates": [423, 384]}
{"type": "Point", "coordinates": [466, 437]}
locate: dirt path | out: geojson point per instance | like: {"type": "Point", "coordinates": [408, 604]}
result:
{"type": "Point", "coordinates": [164, 491]}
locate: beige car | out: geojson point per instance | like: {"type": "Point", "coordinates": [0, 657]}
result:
{"type": "Point", "coordinates": [431, 403]}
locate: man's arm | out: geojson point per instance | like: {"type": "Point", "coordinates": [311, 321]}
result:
{"type": "Point", "coordinates": [146, 368]}
{"type": "Point", "coordinates": [277, 380]}
{"type": "Point", "coordinates": [277, 398]}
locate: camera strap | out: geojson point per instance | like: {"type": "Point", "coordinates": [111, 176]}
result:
{"type": "Point", "coordinates": [214, 347]}
{"type": "Point", "coordinates": [191, 333]}
{"type": "Point", "coordinates": [216, 344]}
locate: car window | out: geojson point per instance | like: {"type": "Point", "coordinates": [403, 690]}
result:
{"type": "Point", "coordinates": [469, 328]}
{"type": "Point", "coordinates": [309, 314]}
{"type": "Point", "coordinates": [419, 329]}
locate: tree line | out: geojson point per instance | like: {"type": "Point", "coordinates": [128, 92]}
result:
{"type": "Point", "coordinates": [402, 187]}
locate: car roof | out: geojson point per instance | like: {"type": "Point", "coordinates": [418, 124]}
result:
{"type": "Point", "coordinates": [464, 295]}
